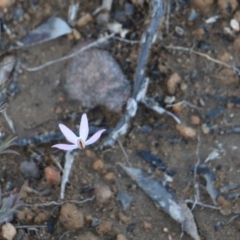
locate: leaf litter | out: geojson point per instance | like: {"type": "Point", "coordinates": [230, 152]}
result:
{"type": "Point", "coordinates": [166, 199]}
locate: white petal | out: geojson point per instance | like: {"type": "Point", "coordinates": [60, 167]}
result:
{"type": "Point", "coordinates": [69, 134]}
{"type": "Point", "coordinates": [66, 147]}
{"type": "Point", "coordinates": [84, 130]}
{"type": "Point", "coordinates": [95, 137]}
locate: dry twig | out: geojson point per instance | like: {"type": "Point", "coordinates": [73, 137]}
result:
{"type": "Point", "coordinates": [201, 204]}
{"type": "Point", "coordinates": [204, 55]}
{"type": "Point", "coordinates": [94, 44]}
{"type": "Point", "coordinates": [53, 203]}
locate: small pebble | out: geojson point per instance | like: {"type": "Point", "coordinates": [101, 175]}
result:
{"type": "Point", "coordinates": [230, 105]}
{"type": "Point", "coordinates": [89, 153]}
{"type": "Point", "coordinates": [234, 25]}
{"type": "Point", "coordinates": [95, 222]}
{"type": "Point", "coordinates": [205, 129]}
{"type": "Point", "coordinates": [186, 132]}
{"type": "Point", "coordinates": [104, 227]}
{"type": "Point", "coordinates": [110, 176]}
{"type": "Point", "coordinates": [30, 169]}
{"type": "Point", "coordinates": [71, 217]}
{"type": "Point", "coordinates": [169, 99]}
{"type": "Point", "coordinates": [84, 20]}
{"type": "Point", "coordinates": [52, 176]}
{"type": "Point", "coordinates": [193, 15]}
{"type": "Point", "coordinates": [29, 215]}
{"type": "Point", "coordinates": [177, 107]}
{"type": "Point", "coordinates": [98, 165]}
{"type": "Point", "coordinates": [123, 218]}
{"type": "Point", "coordinates": [88, 218]}
{"type": "Point", "coordinates": [179, 31]}
{"type": "Point", "coordinates": [173, 82]}
{"type": "Point", "coordinates": [195, 120]}
{"type": "Point", "coordinates": [121, 237]}
{"type": "Point", "coordinates": [183, 87]}
{"type": "Point", "coordinates": [26, 17]}
{"type": "Point", "coordinates": [147, 226]}
{"type": "Point", "coordinates": [41, 218]}
{"type": "Point", "coordinates": [21, 216]}
{"type": "Point", "coordinates": [165, 230]}
{"type": "Point", "coordinates": [76, 34]}
{"type": "Point", "coordinates": [8, 231]}
{"type": "Point", "coordinates": [102, 193]}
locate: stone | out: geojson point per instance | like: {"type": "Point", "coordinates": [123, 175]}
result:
{"type": "Point", "coordinates": [98, 165]}
{"type": "Point", "coordinates": [52, 176]}
{"type": "Point", "coordinates": [84, 20]}
{"type": "Point", "coordinates": [195, 120]}
{"type": "Point", "coordinates": [41, 218]}
{"type": "Point", "coordinates": [95, 79]}
{"type": "Point", "coordinates": [8, 231]}
{"type": "Point", "coordinates": [71, 217]}
{"type": "Point", "coordinates": [30, 169]}
{"type": "Point", "coordinates": [121, 237]}
{"type": "Point", "coordinates": [173, 82]}
{"type": "Point", "coordinates": [104, 227]}
{"type": "Point", "coordinates": [103, 193]}
{"type": "Point", "coordinates": [186, 132]}
{"type": "Point", "coordinates": [110, 176]}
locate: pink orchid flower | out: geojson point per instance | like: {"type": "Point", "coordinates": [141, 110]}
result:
{"type": "Point", "coordinates": [81, 141]}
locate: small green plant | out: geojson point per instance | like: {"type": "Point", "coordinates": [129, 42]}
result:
{"type": "Point", "coordinates": [6, 144]}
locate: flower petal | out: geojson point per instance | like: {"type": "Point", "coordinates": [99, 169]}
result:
{"type": "Point", "coordinates": [66, 147]}
{"type": "Point", "coordinates": [95, 137]}
{"type": "Point", "coordinates": [84, 130]}
{"type": "Point", "coordinates": [69, 134]}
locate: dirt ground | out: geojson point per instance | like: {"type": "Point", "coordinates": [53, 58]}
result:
{"type": "Point", "coordinates": [206, 90]}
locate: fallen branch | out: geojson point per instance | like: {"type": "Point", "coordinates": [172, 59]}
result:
{"type": "Point", "coordinates": [140, 80]}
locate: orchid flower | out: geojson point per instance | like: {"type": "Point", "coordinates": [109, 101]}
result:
{"type": "Point", "coordinates": [81, 141]}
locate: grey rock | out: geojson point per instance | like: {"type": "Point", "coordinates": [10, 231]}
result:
{"type": "Point", "coordinates": [95, 78]}
{"type": "Point", "coordinates": [30, 169]}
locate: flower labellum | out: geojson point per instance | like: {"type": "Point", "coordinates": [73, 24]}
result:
{"type": "Point", "coordinates": [81, 141]}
